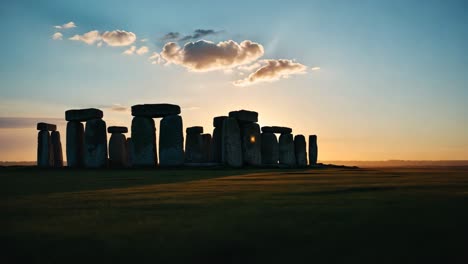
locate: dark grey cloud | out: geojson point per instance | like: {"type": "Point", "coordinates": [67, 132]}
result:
{"type": "Point", "coordinates": [28, 122]}
{"type": "Point", "coordinates": [197, 34]}
{"type": "Point", "coordinates": [171, 36]}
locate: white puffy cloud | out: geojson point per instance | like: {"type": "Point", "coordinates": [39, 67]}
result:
{"type": "Point", "coordinates": [273, 70]}
{"type": "Point", "coordinates": [118, 38]}
{"type": "Point", "coordinates": [88, 38]}
{"type": "Point", "coordinates": [208, 56]}
{"type": "Point", "coordinates": [155, 58]}
{"type": "Point", "coordinates": [68, 25]}
{"type": "Point", "coordinates": [250, 67]}
{"type": "Point", "coordinates": [142, 50]}
{"type": "Point", "coordinates": [129, 51]}
{"type": "Point", "coordinates": [315, 68]}
{"type": "Point", "coordinates": [57, 36]}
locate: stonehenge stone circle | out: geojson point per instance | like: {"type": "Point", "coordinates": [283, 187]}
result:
{"type": "Point", "coordinates": [171, 141]}
{"type": "Point", "coordinates": [46, 126]}
{"type": "Point", "coordinates": [118, 151]}
{"type": "Point", "coordinates": [117, 129]}
{"type": "Point", "coordinates": [244, 116]}
{"type": "Point", "coordinates": [82, 115]}
{"type": "Point", "coordinates": [276, 129]}
{"type": "Point", "coordinates": [194, 145]}
{"type": "Point", "coordinates": [270, 149]}
{"type": "Point", "coordinates": [144, 142]}
{"type": "Point", "coordinates": [300, 150]}
{"type": "Point", "coordinates": [206, 147]}
{"type": "Point", "coordinates": [45, 158]}
{"type": "Point", "coordinates": [313, 150]}
{"type": "Point", "coordinates": [286, 150]}
{"type": "Point", "coordinates": [251, 144]}
{"type": "Point", "coordinates": [95, 144]}
{"type": "Point", "coordinates": [75, 144]}
{"type": "Point", "coordinates": [232, 149]}
{"type": "Point", "coordinates": [57, 149]}
{"type": "Point", "coordinates": [155, 110]}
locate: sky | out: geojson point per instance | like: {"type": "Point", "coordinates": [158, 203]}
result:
{"type": "Point", "coordinates": [374, 80]}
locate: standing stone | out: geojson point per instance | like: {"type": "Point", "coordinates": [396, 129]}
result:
{"type": "Point", "coordinates": [251, 144]}
{"type": "Point", "coordinates": [286, 150]}
{"type": "Point", "coordinates": [57, 149]}
{"type": "Point", "coordinates": [300, 150]}
{"type": "Point", "coordinates": [313, 150]}
{"type": "Point", "coordinates": [171, 141]}
{"type": "Point", "coordinates": [130, 152]}
{"type": "Point", "coordinates": [44, 156]}
{"type": "Point", "coordinates": [118, 151]}
{"type": "Point", "coordinates": [193, 147]}
{"type": "Point", "coordinates": [216, 145]}
{"type": "Point", "coordinates": [206, 147]}
{"type": "Point", "coordinates": [75, 144]}
{"type": "Point", "coordinates": [232, 149]}
{"type": "Point", "coordinates": [270, 149]}
{"type": "Point", "coordinates": [144, 142]}
{"type": "Point", "coordinates": [95, 143]}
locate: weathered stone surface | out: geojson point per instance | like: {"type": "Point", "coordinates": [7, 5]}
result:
{"type": "Point", "coordinates": [270, 149]}
{"type": "Point", "coordinates": [117, 129]}
{"type": "Point", "coordinates": [244, 116]}
{"type": "Point", "coordinates": [144, 142]}
{"type": "Point", "coordinates": [95, 144]}
{"type": "Point", "coordinates": [218, 121]}
{"type": "Point", "coordinates": [155, 110]}
{"type": "Point", "coordinates": [232, 149]}
{"type": "Point", "coordinates": [118, 151]}
{"type": "Point", "coordinates": [45, 158]}
{"type": "Point", "coordinates": [276, 129]}
{"type": "Point", "coordinates": [216, 145]}
{"type": "Point", "coordinates": [194, 130]}
{"type": "Point", "coordinates": [57, 149]}
{"type": "Point", "coordinates": [313, 150]}
{"type": "Point", "coordinates": [251, 144]}
{"type": "Point", "coordinates": [46, 126]}
{"type": "Point", "coordinates": [82, 115]}
{"type": "Point", "coordinates": [130, 152]}
{"type": "Point", "coordinates": [300, 150]}
{"type": "Point", "coordinates": [75, 144]}
{"type": "Point", "coordinates": [206, 147]}
{"type": "Point", "coordinates": [286, 150]}
{"type": "Point", "coordinates": [193, 148]}
{"type": "Point", "coordinates": [171, 141]}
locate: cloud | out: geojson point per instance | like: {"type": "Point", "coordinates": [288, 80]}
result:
{"type": "Point", "coordinates": [57, 36]}
{"type": "Point", "coordinates": [118, 38]}
{"type": "Point", "coordinates": [142, 50]}
{"type": "Point", "coordinates": [273, 70]}
{"type": "Point", "coordinates": [27, 122]}
{"type": "Point", "coordinates": [118, 108]}
{"type": "Point", "coordinates": [171, 36]}
{"type": "Point", "coordinates": [68, 25]}
{"type": "Point", "coordinates": [208, 56]}
{"type": "Point", "coordinates": [199, 33]}
{"type": "Point", "coordinates": [155, 58]}
{"type": "Point", "coordinates": [315, 68]}
{"type": "Point", "coordinates": [88, 38]}
{"type": "Point", "coordinates": [133, 50]}
{"type": "Point", "coordinates": [250, 67]}
{"type": "Point", "coordinates": [129, 51]}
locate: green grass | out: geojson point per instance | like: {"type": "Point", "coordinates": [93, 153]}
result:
{"type": "Point", "coordinates": [235, 216]}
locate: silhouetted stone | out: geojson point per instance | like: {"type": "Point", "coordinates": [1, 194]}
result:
{"type": "Point", "coordinates": [300, 150]}
{"type": "Point", "coordinates": [286, 150]}
{"type": "Point", "coordinates": [193, 148]}
{"type": "Point", "coordinates": [75, 144]}
{"type": "Point", "coordinates": [313, 150]}
{"type": "Point", "coordinates": [171, 141]}
{"type": "Point", "coordinates": [117, 129]}
{"type": "Point", "coordinates": [155, 110]}
{"type": "Point", "coordinates": [46, 126]}
{"type": "Point", "coordinates": [44, 150]}
{"type": "Point", "coordinates": [244, 116]}
{"type": "Point", "coordinates": [95, 142]}
{"type": "Point", "coordinates": [206, 147]}
{"type": "Point", "coordinates": [232, 150]}
{"type": "Point", "coordinates": [194, 130]}
{"type": "Point", "coordinates": [130, 152]}
{"type": "Point", "coordinates": [57, 149]}
{"type": "Point", "coordinates": [218, 121]}
{"type": "Point", "coordinates": [270, 149]}
{"type": "Point", "coordinates": [251, 144]}
{"type": "Point", "coordinates": [144, 141]}
{"type": "Point", "coordinates": [83, 114]}
{"type": "Point", "coordinates": [276, 130]}
{"type": "Point", "coordinates": [216, 145]}
{"type": "Point", "coordinates": [118, 151]}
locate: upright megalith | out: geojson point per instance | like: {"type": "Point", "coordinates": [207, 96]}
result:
{"type": "Point", "coordinates": [206, 147]}
{"type": "Point", "coordinates": [171, 141]}
{"type": "Point", "coordinates": [232, 149]}
{"type": "Point", "coordinates": [286, 150]}
{"type": "Point", "coordinates": [118, 147]}
{"type": "Point", "coordinates": [251, 144]}
{"type": "Point", "coordinates": [313, 150]}
{"type": "Point", "coordinates": [270, 149]}
{"type": "Point", "coordinates": [155, 110]}
{"type": "Point", "coordinates": [144, 142]}
{"type": "Point", "coordinates": [57, 149]}
{"type": "Point", "coordinates": [300, 150]}
{"type": "Point", "coordinates": [130, 152]}
{"type": "Point", "coordinates": [194, 145]}
{"type": "Point", "coordinates": [45, 149]}
{"type": "Point", "coordinates": [75, 144]}
{"type": "Point", "coordinates": [216, 144]}
{"type": "Point", "coordinates": [95, 144]}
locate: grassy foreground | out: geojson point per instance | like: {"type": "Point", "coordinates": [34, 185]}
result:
{"type": "Point", "coordinates": [392, 215]}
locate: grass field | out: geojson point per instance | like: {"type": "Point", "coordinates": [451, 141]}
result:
{"type": "Point", "coordinates": [397, 215]}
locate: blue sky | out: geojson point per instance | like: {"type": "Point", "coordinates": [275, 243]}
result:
{"type": "Point", "coordinates": [392, 82]}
